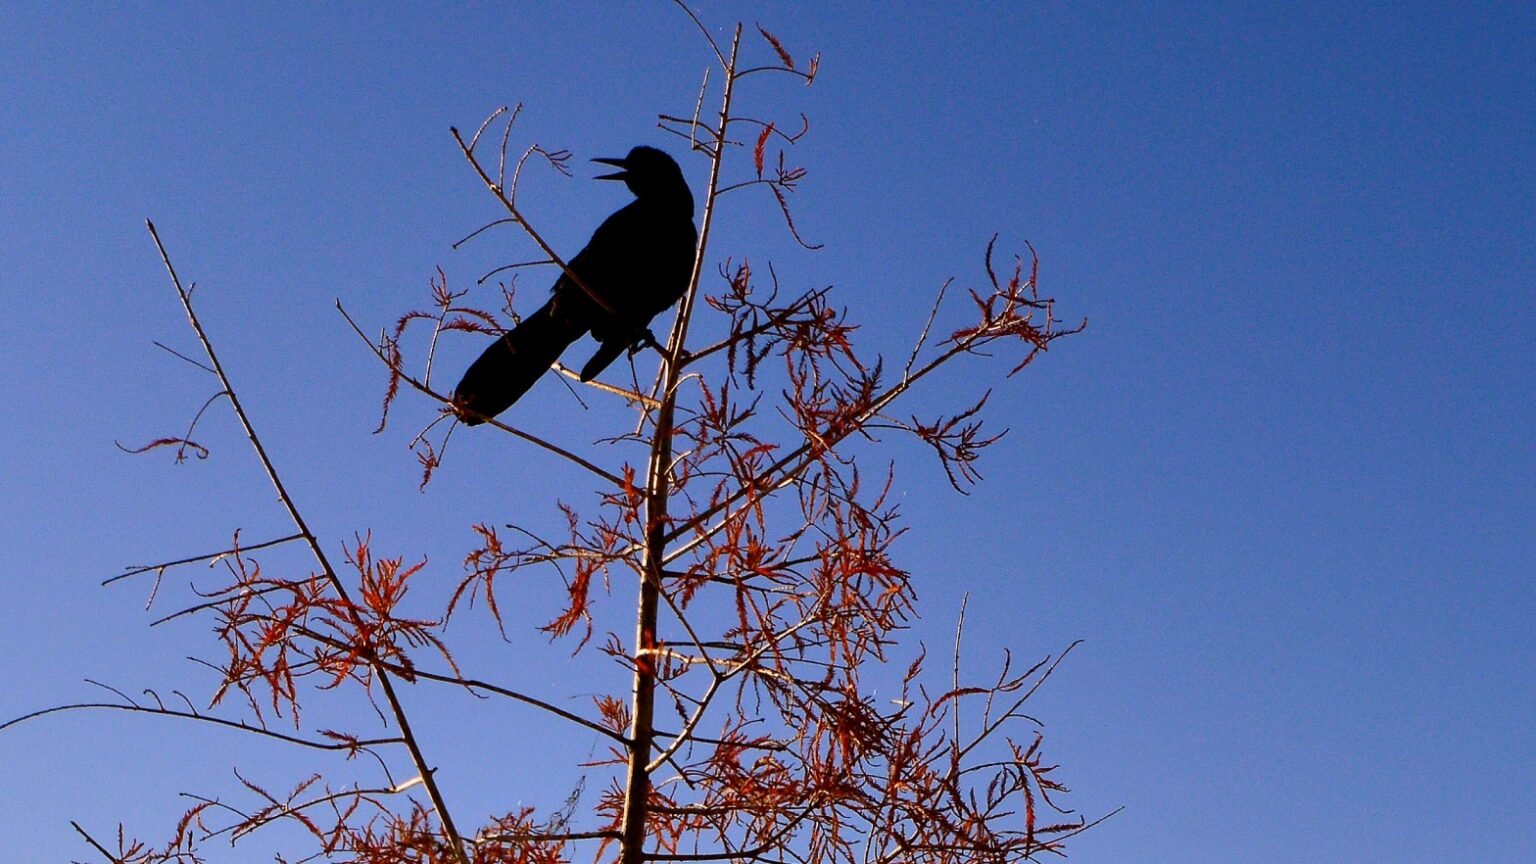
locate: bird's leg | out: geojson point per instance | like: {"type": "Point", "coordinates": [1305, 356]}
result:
{"type": "Point", "coordinates": [647, 339]}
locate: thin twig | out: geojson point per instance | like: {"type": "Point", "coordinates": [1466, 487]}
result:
{"type": "Point", "coordinates": [629, 395]}
{"type": "Point", "coordinates": [92, 840]}
{"type": "Point", "coordinates": [776, 319]}
{"type": "Point", "coordinates": [216, 721]}
{"type": "Point", "coordinates": [1006, 715]}
{"type": "Point", "coordinates": [172, 351]}
{"type": "Point", "coordinates": [486, 227]}
{"type": "Point", "coordinates": [505, 267]}
{"type": "Point", "coordinates": [927, 325]}
{"type": "Point", "coordinates": [713, 45]}
{"type": "Point", "coordinates": [965, 599]}
{"type": "Point", "coordinates": [487, 122]}
{"type": "Point", "coordinates": [557, 837]}
{"type": "Point", "coordinates": [195, 558]}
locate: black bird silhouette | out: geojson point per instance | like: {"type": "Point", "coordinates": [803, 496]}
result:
{"type": "Point", "coordinates": [637, 263]}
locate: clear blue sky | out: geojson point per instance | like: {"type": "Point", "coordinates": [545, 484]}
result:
{"type": "Point", "coordinates": [1284, 487]}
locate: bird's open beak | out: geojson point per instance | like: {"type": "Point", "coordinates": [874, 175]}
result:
{"type": "Point", "coordinates": [617, 175]}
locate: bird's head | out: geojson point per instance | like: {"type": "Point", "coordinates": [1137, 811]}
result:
{"type": "Point", "coordinates": [650, 174]}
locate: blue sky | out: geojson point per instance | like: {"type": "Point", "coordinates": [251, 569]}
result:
{"type": "Point", "coordinates": [1282, 487]}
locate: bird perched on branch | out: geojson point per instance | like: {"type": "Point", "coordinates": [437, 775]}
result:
{"type": "Point", "coordinates": [637, 264]}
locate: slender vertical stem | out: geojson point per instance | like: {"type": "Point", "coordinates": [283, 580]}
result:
{"type": "Point", "coordinates": [637, 785]}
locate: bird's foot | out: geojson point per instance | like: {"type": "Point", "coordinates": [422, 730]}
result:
{"type": "Point", "coordinates": [648, 340]}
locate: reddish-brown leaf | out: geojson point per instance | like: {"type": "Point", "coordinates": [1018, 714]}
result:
{"type": "Point", "coordinates": [757, 152]}
{"type": "Point", "coordinates": [788, 61]}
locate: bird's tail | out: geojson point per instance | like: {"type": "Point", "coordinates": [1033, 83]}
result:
{"type": "Point", "coordinates": [512, 363]}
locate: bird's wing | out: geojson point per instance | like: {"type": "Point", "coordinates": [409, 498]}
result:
{"type": "Point", "coordinates": [610, 258]}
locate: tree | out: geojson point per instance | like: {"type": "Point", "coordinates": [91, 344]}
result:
{"type": "Point", "coordinates": [768, 598]}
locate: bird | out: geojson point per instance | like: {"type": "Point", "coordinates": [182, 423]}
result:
{"type": "Point", "coordinates": [638, 263]}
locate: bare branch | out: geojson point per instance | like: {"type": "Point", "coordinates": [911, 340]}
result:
{"type": "Point", "coordinates": [204, 557]}
{"type": "Point", "coordinates": [92, 840]}
{"type": "Point", "coordinates": [204, 718]}
{"type": "Point", "coordinates": [314, 545]}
